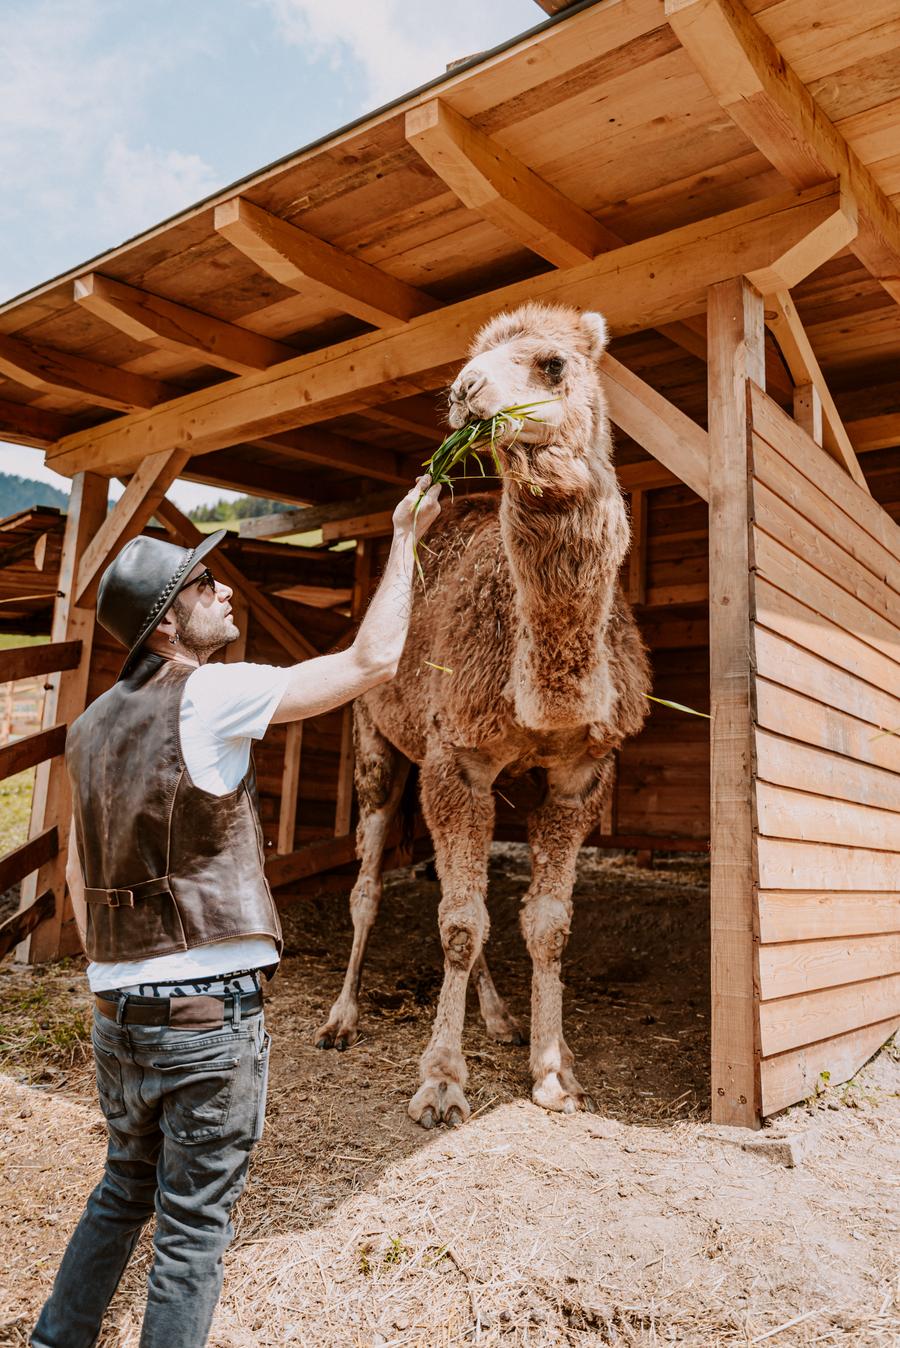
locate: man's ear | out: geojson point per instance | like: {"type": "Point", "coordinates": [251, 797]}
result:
{"type": "Point", "coordinates": [167, 626]}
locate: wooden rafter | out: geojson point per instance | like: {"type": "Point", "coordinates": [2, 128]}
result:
{"type": "Point", "coordinates": [304, 262]}
{"type": "Point", "coordinates": [328, 450]}
{"type": "Point", "coordinates": [264, 611]}
{"type": "Point", "coordinates": [398, 422]}
{"type": "Point", "coordinates": [493, 182]}
{"type": "Point", "coordinates": [673, 439]}
{"type": "Point", "coordinates": [127, 518]}
{"type": "Point", "coordinates": [784, 321]}
{"type": "Point", "coordinates": [758, 89]}
{"type": "Point", "coordinates": [43, 368]}
{"type": "Point", "coordinates": [173, 327]}
{"type": "Point", "coordinates": [313, 517]}
{"type": "Point", "coordinates": [33, 426]}
{"type": "Point", "coordinates": [500, 187]}
{"type": "Point", "coordinates": [638, 286]}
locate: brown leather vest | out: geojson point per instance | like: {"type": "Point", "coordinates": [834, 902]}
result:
{"type": "Point", "coordinates": [167, 866]}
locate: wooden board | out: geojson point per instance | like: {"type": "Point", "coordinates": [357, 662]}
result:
{"type": "Point", "coordinates": [795, 1075]}
{"type": "Point", "coordinates": [801, 915]}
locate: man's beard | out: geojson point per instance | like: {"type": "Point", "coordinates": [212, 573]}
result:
{"type": "Point", "coordinates": [203, 631]}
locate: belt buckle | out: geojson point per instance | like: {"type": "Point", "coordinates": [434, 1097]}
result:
{"type": "Point", "coordinates": [116, 899]}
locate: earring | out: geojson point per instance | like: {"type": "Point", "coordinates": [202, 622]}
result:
{"type": "Point", "coordinates": [174, 640]}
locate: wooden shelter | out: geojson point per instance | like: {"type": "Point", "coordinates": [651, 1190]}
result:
{"type": "Point", "coordinates": [722, 180]}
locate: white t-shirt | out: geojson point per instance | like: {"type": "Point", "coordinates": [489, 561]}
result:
{"type": "Point", "coordinates": [223, 708]}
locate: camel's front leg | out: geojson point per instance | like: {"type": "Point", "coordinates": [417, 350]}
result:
{"type": "Point", "coordinates": [459, 810]}
{"type": "Point", "coordinates": [556, 831]}
{"type": "Point", "coordinates": [381, 773]}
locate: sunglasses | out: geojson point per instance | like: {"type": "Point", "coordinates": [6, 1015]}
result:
{"type": "Point", "coordinates": [206, 581]}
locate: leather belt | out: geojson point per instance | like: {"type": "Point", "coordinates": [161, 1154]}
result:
{"type": "Point", "coordinates": [124, 897]}
{"type": "Point", "coordinates": [179, 1013]}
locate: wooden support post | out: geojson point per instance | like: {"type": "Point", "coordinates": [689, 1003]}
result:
{"type": "Point", "coordinates": [66, 696]}
{"type": "Point", "coordinates": [344, 806]}
{"type": "Point", "coordinates": [736, 355]}
{"type": "Point", "coordinates": [808, 411]}
{"type": "Point", "coordinates": [637, 558]}
{"type": "Point", "coordinates": [290, 787]}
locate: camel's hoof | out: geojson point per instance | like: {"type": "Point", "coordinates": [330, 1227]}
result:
{"type": "Point", "coordinates": [336, 1035]}
{"type": "Point", "coordinates": [563, 1096]}
{"type": "Point", "coordinates": [439, 1102]}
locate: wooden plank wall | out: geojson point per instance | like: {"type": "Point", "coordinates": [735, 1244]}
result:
{"type": "Point", "coordinates": [826, 652]}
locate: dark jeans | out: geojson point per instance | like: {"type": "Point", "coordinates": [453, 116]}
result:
{"type": "Point", "coordinates": [184, 1109]}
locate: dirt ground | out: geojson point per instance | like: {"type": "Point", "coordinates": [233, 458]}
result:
{"type": "Point", "coordinates": [639, 1225]}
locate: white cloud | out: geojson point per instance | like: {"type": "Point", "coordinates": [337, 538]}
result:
{"type": "Point", "coordinates": [146, 184]}
{"type": "Point", "coordinates": [396, 48]}
{"type": "Point", "coordinates": [81, 173]}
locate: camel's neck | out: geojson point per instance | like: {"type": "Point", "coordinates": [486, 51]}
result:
{"type": "Point", "coordinates": [564, 554]}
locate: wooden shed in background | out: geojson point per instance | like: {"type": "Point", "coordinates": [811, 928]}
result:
{"type": "Point", "coordinates": [719, 178]}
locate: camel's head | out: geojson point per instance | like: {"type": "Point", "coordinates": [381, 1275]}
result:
{"type": "Point", "coordinates": [543, 354]}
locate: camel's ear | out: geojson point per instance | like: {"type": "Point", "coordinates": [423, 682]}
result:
{"type": "Point", "coordinates": [595, 329]}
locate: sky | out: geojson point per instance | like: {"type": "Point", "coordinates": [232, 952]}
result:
{"type": "Point", "coordinates": [115, 115]}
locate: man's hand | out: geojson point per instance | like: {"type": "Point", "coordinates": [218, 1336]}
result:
{"type": "Point", "coordinates": [408, 518]}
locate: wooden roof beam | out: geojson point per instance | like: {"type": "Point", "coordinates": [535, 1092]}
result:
{"type": "Point", "coordinates": [490, 180]}
{"type": "Point", "coordinates": [636, 287]}
{"type": "Point", "coordinates": [745, 71]}
{"type": "Point", "coordinates": [313, 517]}
{"type": "Point", "coordinates": [238, 470]}
{"type": "Point", "coordinates": [493, 182]}
{"type": "Point", "coordinates": [42, 368]}
{"type": "Point", "coordinates": [327, 450]}
{"type": "Point", "coordinates": [301, 261]}
{"type": "Point", "coordinates": [174, 327]}
{"type": "Point", "coordinates": [33, 426]}
{"type": "Point", "coordinates": [126, 519]}
{"type": "Point", "coordinates": [784, 322]}
{"type": "Point", "coordinates": [673, 439]}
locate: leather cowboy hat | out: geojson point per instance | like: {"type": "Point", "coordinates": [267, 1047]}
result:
{"type": "Point", "coordinates": [137, 589]}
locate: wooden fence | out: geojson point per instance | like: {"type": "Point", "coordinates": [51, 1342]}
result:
{"type": "Point", "coordinates": [23, 663]}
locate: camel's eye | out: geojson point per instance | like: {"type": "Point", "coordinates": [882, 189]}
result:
{"type": "Point", "coordinates": [553, 368]}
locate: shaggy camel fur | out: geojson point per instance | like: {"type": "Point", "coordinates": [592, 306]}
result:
{"type": "Point", "coordinates": [522, 604]}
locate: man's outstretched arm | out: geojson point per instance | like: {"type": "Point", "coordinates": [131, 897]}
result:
{"type": "Point", "coordinates": [329, 681]}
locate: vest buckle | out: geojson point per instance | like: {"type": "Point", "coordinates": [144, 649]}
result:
{"type": "Point", "coordinates": [121, 898]}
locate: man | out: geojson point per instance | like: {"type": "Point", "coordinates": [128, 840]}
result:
{"type": "Point", "coordinates": [166, 877]}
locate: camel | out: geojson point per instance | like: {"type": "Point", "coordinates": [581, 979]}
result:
{"type": "Point", "coordinates": [543, 668]}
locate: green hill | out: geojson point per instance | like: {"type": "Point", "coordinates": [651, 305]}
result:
{"type": "Point", "coordinates": [19, 493]}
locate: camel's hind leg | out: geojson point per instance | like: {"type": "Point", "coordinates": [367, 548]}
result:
{"type": "Point", "coordinates": [459, 810]}
{"type": "Point", "coordinates": [556, 831]}
{"type": "Point", "coordinates": [381, 772]}
{"type": "Point", "coordinates": [498, 1021]}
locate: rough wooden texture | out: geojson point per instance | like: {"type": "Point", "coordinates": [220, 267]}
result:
{"type": "Point", "coordinates": [759, 90]}
{"type": "Point", "coordinates": [736, 355]}
{"type": "Point", "coordinates": [31, 749]}
{"type": "Point", "coordinates": [23, 861]}
{"type": "Point", "coordinates": [23, 662]}
{"type": "Point", "coordinates": [826, 647]}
